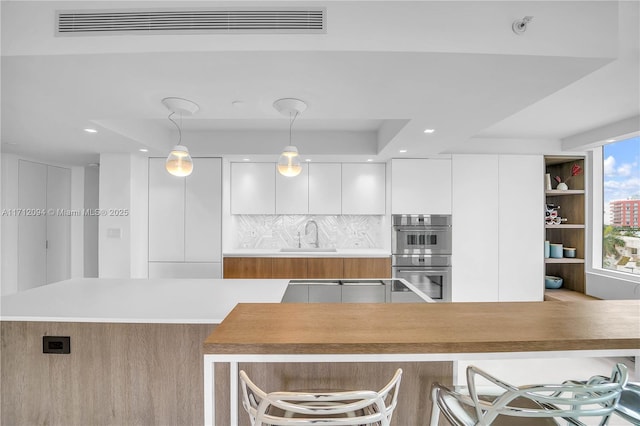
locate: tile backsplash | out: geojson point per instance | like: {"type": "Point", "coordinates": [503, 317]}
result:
{"type": "Point", "coordinates": [280, 231]}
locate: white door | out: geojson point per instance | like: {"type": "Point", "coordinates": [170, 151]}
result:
{"type": "Point", "coordinates": [166, 213]}
{"type": "Point", "coordinates": [32, 228]}
{"type": "Point", "coordinates": [44, 194]}
{"type": "Point", "coordinates": [58, 224]}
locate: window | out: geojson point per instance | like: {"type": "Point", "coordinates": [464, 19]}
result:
{"type": "Point", "coordinates": [621, 196]}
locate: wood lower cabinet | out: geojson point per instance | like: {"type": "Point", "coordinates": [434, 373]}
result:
{"type": "Point", "coordinates": [288, 267]}
{"type": "Point", "coordinates": [325, 267]}
{"type": "Point", "coordinates": [362, 267]}
{"type": "Point", "coordinates": [248, 267]}
{"type": "Point", "coordinates": [303, 267]}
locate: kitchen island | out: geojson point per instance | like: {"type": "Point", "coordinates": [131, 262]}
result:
{"type": "Point", "coordinates": [135, 348]}
{"type": "Point", "coordinates": [260, 338]}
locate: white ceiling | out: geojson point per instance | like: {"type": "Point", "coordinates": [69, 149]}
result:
{"type": "Point", "coordinates": [383, 72]}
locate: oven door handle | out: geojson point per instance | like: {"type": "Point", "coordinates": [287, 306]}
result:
{"type": "Point", "coordinates": [423, 269]}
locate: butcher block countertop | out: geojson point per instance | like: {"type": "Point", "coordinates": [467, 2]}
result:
{"type": "Point", "coordinates": [427, 328]}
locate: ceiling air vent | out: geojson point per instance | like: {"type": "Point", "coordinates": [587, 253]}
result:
{"type": "Point", "coordinates": [210, 21]}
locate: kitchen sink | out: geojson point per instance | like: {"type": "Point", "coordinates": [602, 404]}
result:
{"type": "Point", "coordinates": [308, 249]}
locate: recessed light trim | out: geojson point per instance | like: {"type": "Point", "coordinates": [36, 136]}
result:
{"type": "Point", "coordinates": [369, 160]}
{"type": "Point", "coordinates": [246, 159]}
{"type": "Point", "coordinates": [429, 131]}
{"type": "Point", "coordinates": [90, 130]}
{"type": "Point", "coordinates": [143, 150]}
{"type": "Point", "coordinates": [402, 151]}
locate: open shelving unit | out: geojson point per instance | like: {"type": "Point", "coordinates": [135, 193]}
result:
{"type": "Point", "coordinates": [571, 233]}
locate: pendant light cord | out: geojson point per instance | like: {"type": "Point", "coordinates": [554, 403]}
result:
{"type": "Point", "coordinates": [291, 120]}
{"type": "Point", "coordinates": [177, 126]}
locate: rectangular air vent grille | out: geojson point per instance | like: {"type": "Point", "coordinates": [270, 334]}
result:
{"type": "Point", "coordinates": [212, 21]}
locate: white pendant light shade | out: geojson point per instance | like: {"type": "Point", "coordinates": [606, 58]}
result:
{"type": "Point", "coordinates": [289, 162]}
{"type": "Point", "coordinates": [179, 162]}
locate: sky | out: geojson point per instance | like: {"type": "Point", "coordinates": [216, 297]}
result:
{"type": "Point", "coordinates": [621, 171]}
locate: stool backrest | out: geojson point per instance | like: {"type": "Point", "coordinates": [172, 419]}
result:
{"type": "Point", "coordinates": [358, 407]}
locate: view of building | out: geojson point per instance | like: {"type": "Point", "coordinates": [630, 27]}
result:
{"type": "Point", "coordinates": [624, 212]}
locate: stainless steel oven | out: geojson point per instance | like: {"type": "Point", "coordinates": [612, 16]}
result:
{"type": "Point", "coordinates": [421, 234]}
{"type": "Point", "coordinates": [421, 246]}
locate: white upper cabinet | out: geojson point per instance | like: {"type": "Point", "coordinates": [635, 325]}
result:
{"type": "Point", "coordinates": [292, 193]}
{"type": "Point", "coordinates": [253, 188]}
{"type": "Point", "coordinates": [325, 187]}
{"type": "Point", "coordinates": [421, 186]}
{"type": "Point", "coordinates": [363, 188]}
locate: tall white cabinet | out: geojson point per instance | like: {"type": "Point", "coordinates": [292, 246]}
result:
{"type": "Point", "coordinates": [497, 228]}
{"type": "Point", "coordinates": [185, 221]}
{"type": "Point", "coordinates": [44, 194]}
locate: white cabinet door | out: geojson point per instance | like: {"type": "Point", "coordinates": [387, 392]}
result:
{"type": "Point", "coordinates": [325, 188]}
{"type": "Point", "coordinates": [292, 193]}
{"type": "Point", "coordinates": [166, 213]}
{"type": "Point", "coordinates": [253, 188]}
{"type": "Point", "coordinates": [202, 211]}
{"type": "Point", "coordinates": [475, 228]}
{"type": "Point", "coordinates": [421, 186]}
{"type": "Point", "coordinates": [521, 228]}
{"type": "Point", "coordinates": [363, 188]}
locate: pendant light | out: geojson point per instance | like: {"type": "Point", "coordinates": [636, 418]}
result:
{"type": "Point", "coordinates": [289, 161]}
{"type": "Point", "coordinates": [179, 162]}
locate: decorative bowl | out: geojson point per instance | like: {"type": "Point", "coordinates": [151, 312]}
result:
{"type": "Point", "coordinates": [552, 282]}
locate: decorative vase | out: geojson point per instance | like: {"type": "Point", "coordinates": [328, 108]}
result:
{"type": "Point", "coordinates": [562, 186]}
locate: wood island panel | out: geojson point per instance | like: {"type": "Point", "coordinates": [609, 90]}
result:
{"type": "Point", "coordinates": [356, 267]}
{"type": "Point", "coordinates": [427, 328]}
{"type": "Point", "coordinates": [116, 374]}
{"type": "Point", "coordinates": [325, 267]}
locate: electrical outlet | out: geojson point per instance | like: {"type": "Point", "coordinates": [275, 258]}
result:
{"type": "Point", "coordinates": [56, 344]}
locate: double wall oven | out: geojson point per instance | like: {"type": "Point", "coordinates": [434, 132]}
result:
{"type": "Point", "coordinates": [421, 253]}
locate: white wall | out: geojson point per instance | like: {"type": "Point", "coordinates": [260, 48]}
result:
{"type": "Point", "coordinates": [76, 239]}
{"type": "Point", "coordinates": [139, 215]}
{"type": "Point", "coordinates": [114, 232]}
{"type": "Point", "coordinates": [90, 234]}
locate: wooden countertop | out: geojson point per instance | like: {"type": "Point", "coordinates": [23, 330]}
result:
{"type": "Point", "coordinates": [427, 328]}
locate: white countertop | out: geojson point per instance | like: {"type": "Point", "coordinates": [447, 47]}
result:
{"type": "Point", "coordinates": [278, 253]}
{"type": "Point", "coordinates": [180, 301]}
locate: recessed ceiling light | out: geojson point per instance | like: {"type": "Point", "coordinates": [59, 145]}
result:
{"type": "Point", "coordinates": [89, 130]}
{"type": "Point", "coordinates": [143, 150]}
{"type": "Point", "coordinates": [308, 160]}
{"type": "Point", "coordinates": [238, 104]}
{"type": "Point", "coordinates": [610, 140]}
{"type": "Point", "coordinates": [369, 159]}
{"type": "Point", "coordinates": [246, 159]}
{"type": "Point", "coordinates": [428, 131]}
{"type": "Point", "coordinates": [403, 151]}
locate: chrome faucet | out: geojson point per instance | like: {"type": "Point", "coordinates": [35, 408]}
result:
{"type": "Point", "coordinates": [306, 231]}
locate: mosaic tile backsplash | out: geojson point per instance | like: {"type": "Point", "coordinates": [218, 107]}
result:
{"type": "Point", "coordinates": [281, 231]}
